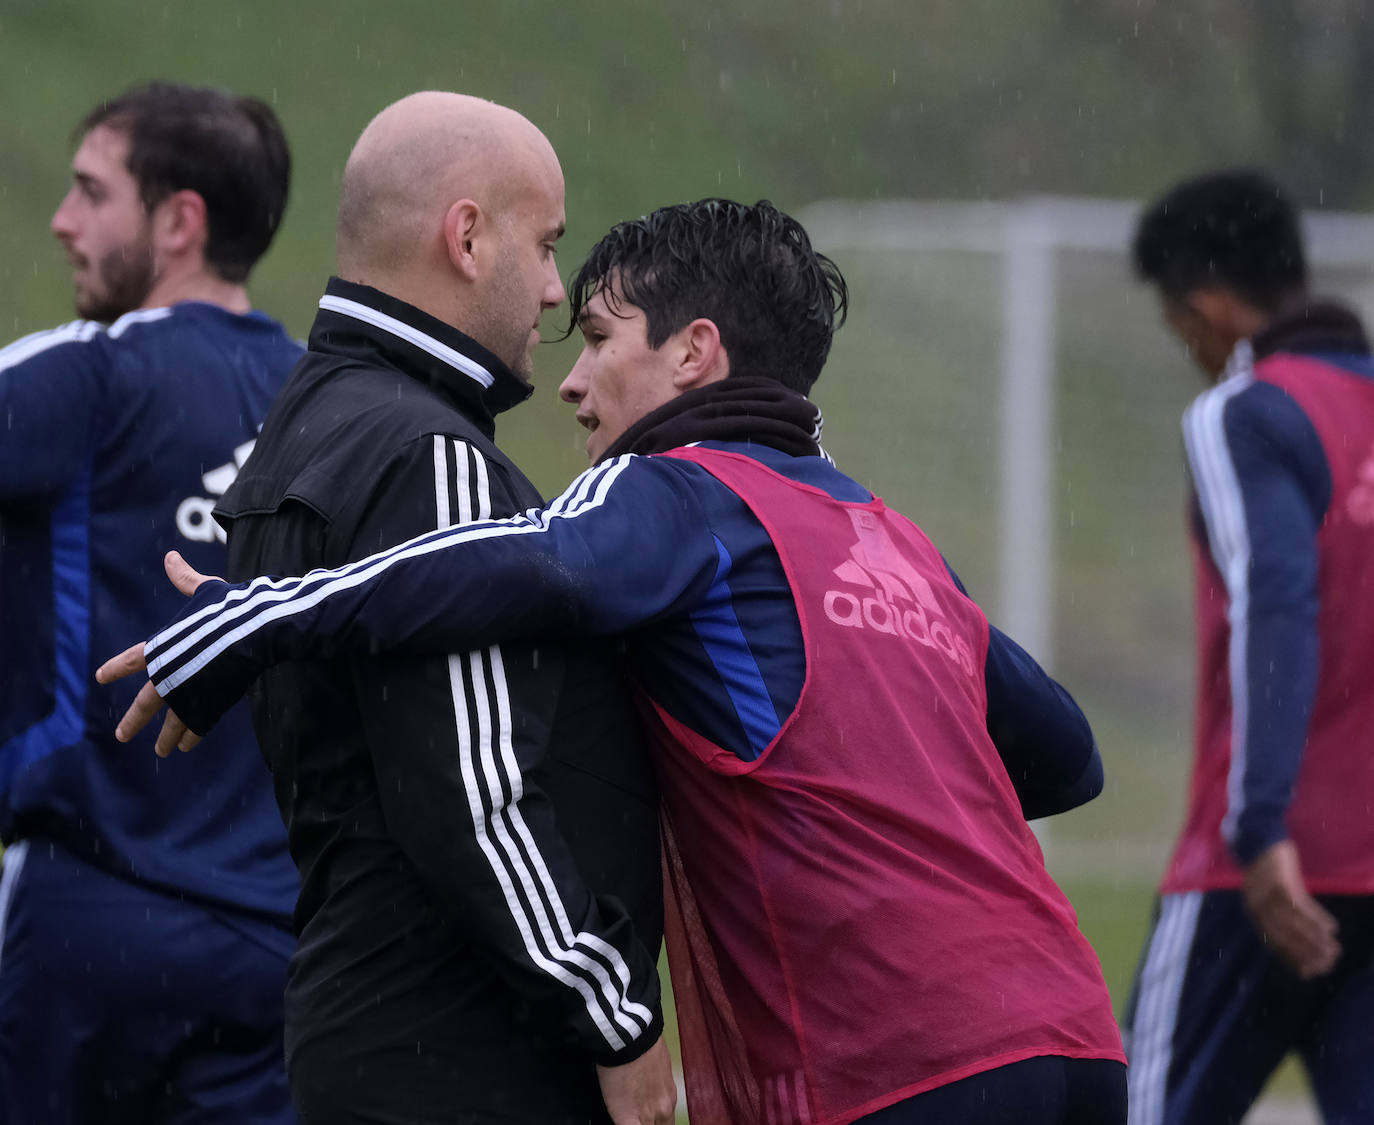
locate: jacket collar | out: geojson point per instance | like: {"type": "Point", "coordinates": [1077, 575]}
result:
{"type": "Point", "coordinates": [1320, 327]}
{"type": "Point", "coordinates": [364, 323]}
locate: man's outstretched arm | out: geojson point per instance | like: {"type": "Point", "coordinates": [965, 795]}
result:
{"type": "Point", "coordinates": [583, 566]}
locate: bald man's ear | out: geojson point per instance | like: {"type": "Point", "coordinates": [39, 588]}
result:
{"type": "Point", "coordinates": [462, 224]}
{"type": "Point", "coordinates": [701, 358]}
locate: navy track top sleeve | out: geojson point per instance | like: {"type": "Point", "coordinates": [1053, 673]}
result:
{"type": "Point", "coordinates": [1043, 738]}
{"type": "Point", "coordinates": [1040, 733]}
{"type": "Point", "coordinates": [585, 565]}
{"type": "Point", "coordinates": [1263, 486]}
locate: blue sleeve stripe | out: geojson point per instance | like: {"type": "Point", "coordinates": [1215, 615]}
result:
{"type": "Point", "coordinates": [720, 633]}
{"type": "Point", "coordinates": [1223, 511]}
{"type": "Point", "coordinates": [71, 556]}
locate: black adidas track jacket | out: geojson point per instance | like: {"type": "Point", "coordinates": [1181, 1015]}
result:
{"type": "Point", "coordinates": [480, 910]}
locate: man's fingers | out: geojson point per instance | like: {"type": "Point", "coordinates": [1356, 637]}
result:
{"type": "Point", "coordinates": [117, 667]}
{"type": "Point", "coordinates": [171, 736]}
{"type": "Point", "coordinates": [1317, 928]}
{"type": "Point", "coordinates": [147, 703]}
{"type": "Point", "coordinates": [1303, 933]}
{"type": "Point", "coordinates": [184, 576]}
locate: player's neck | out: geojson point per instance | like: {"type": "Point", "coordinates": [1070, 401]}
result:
{"type": "Point", "coordinates": [174, 287]}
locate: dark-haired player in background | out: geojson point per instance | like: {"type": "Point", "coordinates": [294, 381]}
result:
{"type": "Point", "coordinates": [144, 906]}
{"type": "Point", "coordinates": [1265, 934]}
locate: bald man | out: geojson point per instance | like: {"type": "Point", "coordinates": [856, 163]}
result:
{"type": "Point", "coordinates": [480, 910]}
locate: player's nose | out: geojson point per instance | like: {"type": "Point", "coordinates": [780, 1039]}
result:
{"type": "Point", "coordinates": [574, 387]}
{"type": "Point", "coordinates": [63, 223]}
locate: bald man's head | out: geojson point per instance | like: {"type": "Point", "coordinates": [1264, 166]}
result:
{"type": "Point", "coordinates": [413, 161]}
{"type": "Point", "coordinates": [453, 204]}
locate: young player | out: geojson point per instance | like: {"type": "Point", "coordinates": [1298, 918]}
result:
{"type": "Point", "coordinates": [1264, 941]}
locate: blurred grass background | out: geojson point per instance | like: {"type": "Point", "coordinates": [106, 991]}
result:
{"type": "Point", "coordinates": [802, 100]}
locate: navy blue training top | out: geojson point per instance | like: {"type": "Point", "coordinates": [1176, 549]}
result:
{"type": "Point", "coordinates": [114, 445]}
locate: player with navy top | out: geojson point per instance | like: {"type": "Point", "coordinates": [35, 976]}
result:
{"type": "Point", "coordinates": [144, 910]}
{"type": "Point", "coordinates": [1264, 941]}
{"type": "Point", "coordinates": [860, 926]}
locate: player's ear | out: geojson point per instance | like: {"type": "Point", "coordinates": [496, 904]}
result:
{"type": "Point", "coordinates": [464, 225]}
{"type": "Point", "coordinates": [1226, 312]}
{"type": "Point", "coordinates": [702, 358]}
{"type": "Point", "coordinates": [180, 222]}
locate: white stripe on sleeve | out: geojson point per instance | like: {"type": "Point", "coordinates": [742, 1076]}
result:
{"type": "Point", "coordinates": [1223, 511]}
{"type": "Point", "coordinates": [203, 633]}
{"type": "Point", "coordinates": [490, 771]}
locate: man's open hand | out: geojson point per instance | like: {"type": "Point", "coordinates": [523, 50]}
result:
{"type": "Point", "coordinates": [1295, 924]}
{"type": "Point", "coordinates": [641, 1092]}
{"type": "Point", "coordinates": [174, 734]}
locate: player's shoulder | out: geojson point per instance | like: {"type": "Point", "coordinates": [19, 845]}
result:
{"type": "Point", "coordinates": [1240, 403]}
{"type": "Point", "coordinates": [1245, 424]}
{"type": "Point", "coordinates": [133, 326]}
{"type": "Point", "coordinates": [83, 339]}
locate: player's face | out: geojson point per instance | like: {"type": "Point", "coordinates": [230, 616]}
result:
{"type": "Point", "coordinates": [1208, 347]}
{"type": "Point", "coordinates": [526, 281]}
{"type": "Point", "coordinates": [618, 378]}
{"type": "Point", "coordinates": [105, 229]}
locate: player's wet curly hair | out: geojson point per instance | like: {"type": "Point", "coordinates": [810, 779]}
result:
{"type": "Point", "coordinates": [227, 148]}
{"type": "Point", "coordinates": [749, 269]}
{"type": "Point", "coordinates": [1234, 229]}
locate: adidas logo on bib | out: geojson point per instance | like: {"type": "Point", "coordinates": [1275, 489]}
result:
{"type": "Point", "coordinates": [892, 596]}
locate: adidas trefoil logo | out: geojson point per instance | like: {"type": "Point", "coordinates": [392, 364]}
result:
{"type": "Point", "coordinates": [193, 514]}
{"type": "Point", "coordinates": [894, 598]}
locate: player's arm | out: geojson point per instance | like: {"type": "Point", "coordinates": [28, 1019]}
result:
{"type": "Point", "coordinates": [1040, 733]}
{"type": "Point", "coordinates": [51, 388]}
{"type": "Point", "coordinates": [1263, 486]}
{"type": "Point", "coordinates": [624, 544]}
{"type": "Point", "coordinates": [460, 744]}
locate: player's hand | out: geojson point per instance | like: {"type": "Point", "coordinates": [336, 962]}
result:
{"type": "Point", "coordinates": [1295, 924]}
{"type": "Point", "coordinates": [174, 734]}
{"type": "Point", "coordinates": [641, 1092]}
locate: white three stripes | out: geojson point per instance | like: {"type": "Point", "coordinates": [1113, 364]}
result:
{"type": "Point", "coordinates": [15, 855]}
{"type": "Point", "coordinates": [1161, 985]}
{"type": "Point", "coordinates": [265, 599]}
{"type": "Point", "coordinates": [576, 960]}
{"type": "Point", "coordinates": [1223, 509]}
